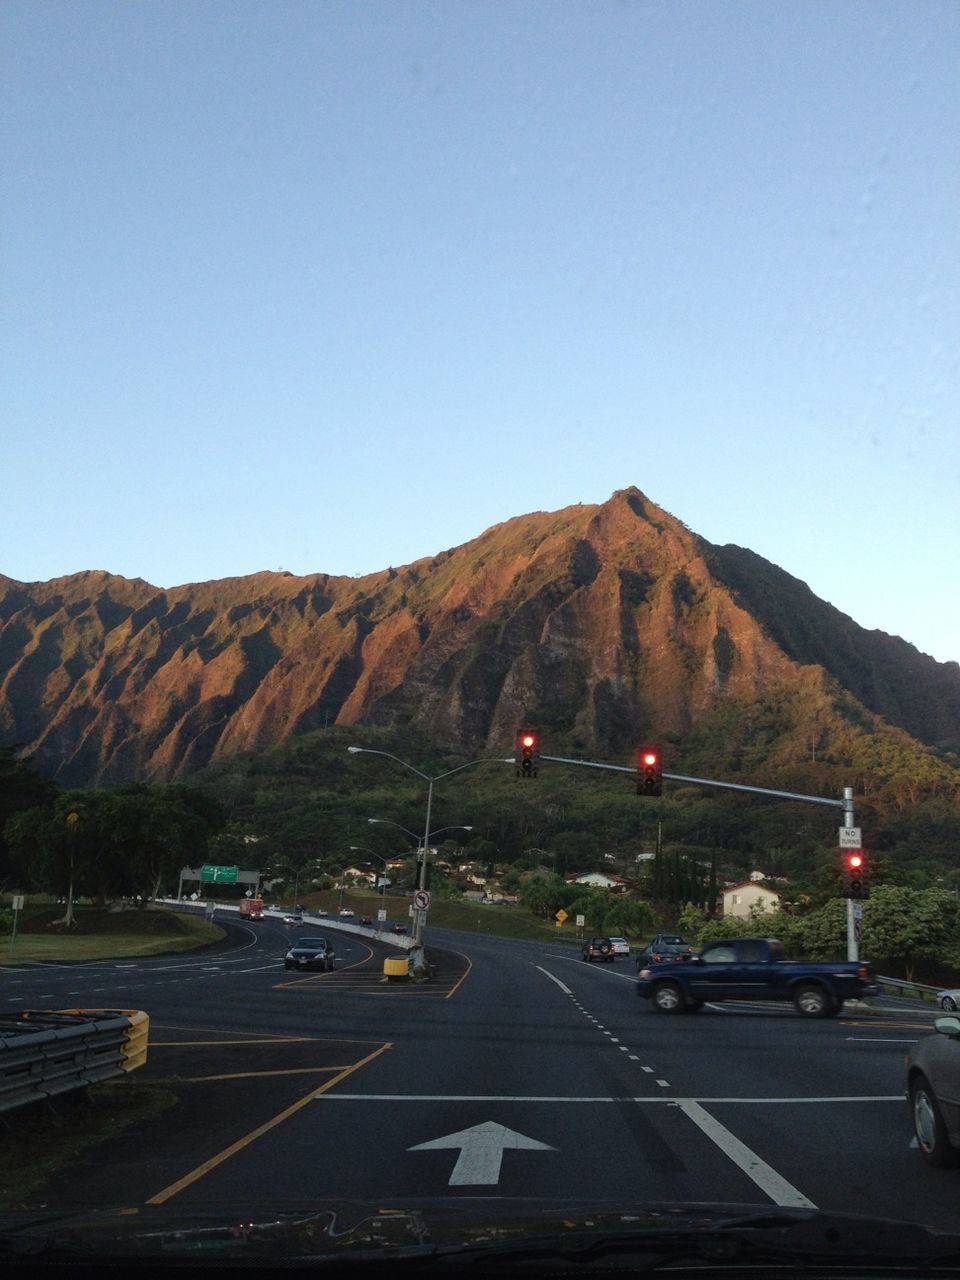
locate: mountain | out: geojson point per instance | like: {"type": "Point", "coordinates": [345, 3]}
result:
{"type": "Point", "coordinates": [604, 623]}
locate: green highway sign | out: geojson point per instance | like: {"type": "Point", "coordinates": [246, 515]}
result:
{"type": "Point", "coordinates": [219, 875]}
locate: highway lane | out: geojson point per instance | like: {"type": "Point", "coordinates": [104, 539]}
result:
{"type": "Point", "coordinates": [562, 1083]}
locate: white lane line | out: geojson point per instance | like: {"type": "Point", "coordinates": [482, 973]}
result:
{"type": "Point", "coordinates": [664, 1084]}
{"type": "Point", "coordinates": [649, 1070]}
{"type": "Point", "coordinates": [561, 985]}
{"type": "Point", "coordinates": [766, 1178]}
{"type": "Point", "coordinates": [634, 1058]}
{"type": "Point", "coordinates": [624, 1049]}
{"type": "Point", "coordinates": [656, 1101]}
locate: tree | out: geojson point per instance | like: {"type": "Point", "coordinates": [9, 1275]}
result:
{"type": "Point", "coordinates": [903, 926]}
{"type": "Point", "coordinates": [22, 788]}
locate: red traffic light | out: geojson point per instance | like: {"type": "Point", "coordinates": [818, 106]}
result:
{"type": "Point", "coordinates": [856, 875]}
{"type": "Point", "coordinates": [527, 753]}
{"type": "Point", "coordinates": [649, 772]}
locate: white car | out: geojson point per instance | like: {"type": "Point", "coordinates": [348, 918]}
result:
{"type": "Point", "coordinates": [346, 913]}
{"type": "Point", "coordinates": [620, 946]}
{"type": "Point", "coordinates": [949, 1000]}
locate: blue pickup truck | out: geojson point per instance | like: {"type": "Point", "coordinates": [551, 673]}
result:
{"type": "Point", "coordinates": [755, 969]}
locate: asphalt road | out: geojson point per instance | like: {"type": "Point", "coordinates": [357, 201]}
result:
{"type": "Point", "coordinates": [517, 1071]}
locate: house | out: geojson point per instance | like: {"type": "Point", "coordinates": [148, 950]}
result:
{"type": "Point", "coordinates": [599, 880]}
{"type": "Point", "coordinates": [739, 899]}
{"type": "Point", "coordinates": [359, 873]}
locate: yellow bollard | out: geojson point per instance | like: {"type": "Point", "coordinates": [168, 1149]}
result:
{"type": "Point", "coordinates": [396, 968]}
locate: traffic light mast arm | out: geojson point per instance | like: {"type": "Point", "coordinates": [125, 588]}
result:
{"type": "Point", "coordinates": [846, 803]}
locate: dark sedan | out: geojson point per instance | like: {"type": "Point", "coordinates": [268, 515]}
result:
{"type": "Point", "coordinates": [665, 953]}
{"type": "Point", "coordinates": [309, 953]}
{"type": "Point", "coordinates": [933, 1087]}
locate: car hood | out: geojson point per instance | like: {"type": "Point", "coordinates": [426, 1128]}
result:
{"type": "Point", "coordinates": [494, 1232]}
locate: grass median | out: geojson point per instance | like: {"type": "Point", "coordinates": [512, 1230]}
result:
{"type": "Point", "coordinates": [105, 935]}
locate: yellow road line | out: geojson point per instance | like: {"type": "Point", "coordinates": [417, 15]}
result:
{"type": "Point", "coordinates": [881, 1024]}
{"type": "Point", "coordinates": [317, 977]}
{"type": "Point", "coordinates": [463, 979]}
{"type": "Point", "coordinates": [188, 1179]}
{"type": "Point", "coordinates": [193, 1044]}
{"type": "Point", "coordinates": [257, 1075]}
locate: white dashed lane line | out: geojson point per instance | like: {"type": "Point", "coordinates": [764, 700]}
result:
{"type": "Point", "coordinates": [632, 1057]}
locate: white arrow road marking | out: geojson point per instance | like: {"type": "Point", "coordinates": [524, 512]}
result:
{"type": "Point", "coordinates": [481, 1152]}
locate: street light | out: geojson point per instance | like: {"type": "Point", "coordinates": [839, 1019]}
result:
{"type": "Point", "coordinates": [429, 780]}
{"type": "Point", "coordinates": [362, 848]}
{"type": "Point", "coordinates": [456, 826]}
{"type": "Point", "coordinates": [423, 850]}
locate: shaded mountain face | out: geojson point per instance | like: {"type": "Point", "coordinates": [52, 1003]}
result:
{"type": "Point", "coordinates": [602, 624]}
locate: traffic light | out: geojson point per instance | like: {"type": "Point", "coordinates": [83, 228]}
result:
{"type": "Point", "coordinates": [649, 772]}
{"type": "Point", "coordinates": [527, 753]}
{"type": "Point", "coordinates": [856, 875]}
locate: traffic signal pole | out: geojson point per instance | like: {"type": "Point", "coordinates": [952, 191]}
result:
{"type": "Point", "coordinates": [845, 803]}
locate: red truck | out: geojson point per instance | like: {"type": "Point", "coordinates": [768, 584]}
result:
{"type": "Point", "coordinates": [251, 908]}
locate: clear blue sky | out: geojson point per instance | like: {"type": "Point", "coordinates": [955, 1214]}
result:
{"type": "Point", "coordinates": [331, 286]}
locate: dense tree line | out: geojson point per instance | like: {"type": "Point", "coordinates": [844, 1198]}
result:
{"type": "Point", "coordinates": [125, 843]}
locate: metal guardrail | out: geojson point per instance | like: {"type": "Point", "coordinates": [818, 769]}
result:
{"type": "Point", "coordinates": [48, 1052]}
{"type": "Point", "coordinates": [905, 988]}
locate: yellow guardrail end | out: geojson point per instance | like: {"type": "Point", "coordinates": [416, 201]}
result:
{"type": "Point", "coordinates": [136, 1051]}
{"type": "Point", "coordinates": [137, 1039]}
{"type": "Point", "coordinates": [397, 967]}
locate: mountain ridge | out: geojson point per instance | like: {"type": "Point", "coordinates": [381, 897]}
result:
{"type": "Point", "coordinates": [603, 622]}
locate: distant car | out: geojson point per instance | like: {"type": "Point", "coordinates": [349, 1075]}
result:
{"type": "Point", "coordinates": [293, 919]}
{"type": "Point", "coordinates": [346, 913]}
{"type": "Point", "coordinates": [666, 953]}
{"type": "Point", "coordinates": [365, 920]}
{"type": "Point", "coordinates": [933, 1088]}
{"type": "Point", "coordinates": [320, 912]}
{"type": "Point", "coordinates": [949, 1000]}
{"type": "Point", "coordinates": [399, 928]}
{"type": "Point", "coordinates": [309, 953]}
{"type": "Point", "coordinates": [599, 949]}
{"type": "Point", "coordinates": [668, 940]}
{"type": "Point", "coordinates": [620, 946]}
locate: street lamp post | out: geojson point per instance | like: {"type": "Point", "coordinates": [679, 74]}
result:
{"type": "Point", "coordinates": [423, 847]}
{"type": "Point", "coordinates": [429, 780]}
{"type": "Point", "coordinates": [362, 848]}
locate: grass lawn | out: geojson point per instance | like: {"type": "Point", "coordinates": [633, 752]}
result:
{"type": "Point", "coordinates": [104, 935]}
{"type": "Point", "coordinates": [505, 922]}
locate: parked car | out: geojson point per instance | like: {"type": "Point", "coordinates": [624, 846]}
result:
{"type": "Point", "coordinates": [599, 949]}
{"type": "Point", "coordinates": [933, 1090]}
{"type": "Point", "coordinates": [620, 946]}
{"type": "Point", "coordinates": [949, 1000]}
{"type": "Point", "coordinates": [310, 953]}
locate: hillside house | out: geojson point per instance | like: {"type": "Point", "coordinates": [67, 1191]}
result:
{"type": "Point", "coordinates": [599, 880]}
{"type": "Point", "coordinates": [739, 899]}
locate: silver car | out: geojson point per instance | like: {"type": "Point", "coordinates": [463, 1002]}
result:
{"type": "Point", "coordinates": [933, 1088]}
{"type": "Point", "coordinates": [949, 1000]}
